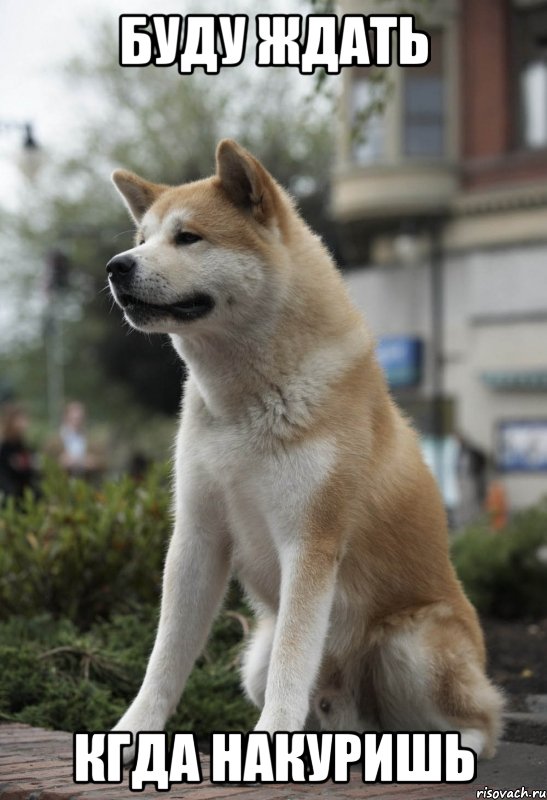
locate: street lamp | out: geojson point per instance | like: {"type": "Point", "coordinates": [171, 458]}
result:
{"type": "Point", "coordinates": [57, 269]}
{"type": "Point", "coordinates": [26, 128]}
{"type": "Point", "coordinates": [28, 142]}
{"type": "Point", "coordinates": [57, 282]}
{"type": "Point", "coordinates": [437, 345]}
{"type": "Point", "coordinates": [29, 162]}
{"type": "Point", "coordinates": [408, 246]}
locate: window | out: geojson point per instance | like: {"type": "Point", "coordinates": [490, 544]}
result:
{"type": "Point", "coordinates": [423, 106]}
{"type": "Point", "coordinates": [534, 104]}
{"type": "Point", "coordinates": [368, 127]}
{"type": "Point", "coordinates": [415, 103]}
{"type": "Point", "coordinates": [530, 39]}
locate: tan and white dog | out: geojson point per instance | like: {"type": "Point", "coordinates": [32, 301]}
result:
{"type": "Point", "coordinates": [296, 472]}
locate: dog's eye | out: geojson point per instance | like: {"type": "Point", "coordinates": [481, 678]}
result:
{"type": "Point", "coordinates": [141, 241]}
{"type": "Point", "coordinates": [185, 237]}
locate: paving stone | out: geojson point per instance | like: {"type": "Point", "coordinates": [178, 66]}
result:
{"type": "Point", "coordinates": [37, 765]}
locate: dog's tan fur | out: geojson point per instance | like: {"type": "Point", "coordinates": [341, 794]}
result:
{"type": "Point", "coordinates": [361, 594]}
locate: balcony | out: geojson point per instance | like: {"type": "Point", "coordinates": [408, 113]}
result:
{"type": "Point", "coordinates": [390, 192]}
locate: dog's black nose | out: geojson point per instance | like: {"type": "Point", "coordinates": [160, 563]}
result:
{"type": "Point", "coordinates": [120, 266]}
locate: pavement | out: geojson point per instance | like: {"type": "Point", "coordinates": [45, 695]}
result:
{"type": "Point", "coordinates": [529, 723]}
{"type": "Point", "coordinates": [36, 764]}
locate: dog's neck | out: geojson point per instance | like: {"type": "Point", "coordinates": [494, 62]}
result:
{"type": "Point", "coordinates": [232, 373]}
{"type": "Point", "coordinates": [268, 378]}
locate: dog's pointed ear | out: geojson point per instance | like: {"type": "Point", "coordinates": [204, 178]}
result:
{"type": "Point", "coordinates": [246, 182]}
{"type": "Point", "coordinates": [138, 194]}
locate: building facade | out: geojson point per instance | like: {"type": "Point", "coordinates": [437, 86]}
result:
{"type": "Point", "coordinates": [440, 194]}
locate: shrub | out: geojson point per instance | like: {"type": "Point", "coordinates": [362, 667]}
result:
{"type": "Point", "coordinates": [502, 572]}
{"type": "Point", "coordinates": [55, 676]}
{"type": "Point", "coordinates": [80, 575]}
{"type": "Point", "coordinates": [82, 553]}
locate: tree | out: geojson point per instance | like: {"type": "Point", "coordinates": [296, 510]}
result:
{"type": "Point", "coordinates": [164, 126]}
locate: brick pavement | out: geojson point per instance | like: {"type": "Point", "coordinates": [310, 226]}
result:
{"type": "Point", "coordinates": [37, 765]}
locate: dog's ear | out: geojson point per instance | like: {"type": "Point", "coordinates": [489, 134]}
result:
{"type": "Point", "coordinates": [246, 182]}
{"type": "Point", "coordinates": [138, 194]}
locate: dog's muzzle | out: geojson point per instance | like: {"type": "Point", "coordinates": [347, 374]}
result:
{"type": "Point", "coordinates": [121, 273]}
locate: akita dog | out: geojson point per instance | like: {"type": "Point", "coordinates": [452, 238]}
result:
{"type": "Point", "coordinates": [295, 471]}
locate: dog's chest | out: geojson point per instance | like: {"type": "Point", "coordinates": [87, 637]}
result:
{"type": "Point", "coordinates": [267, 497]}
{"type": "Point", "coordinates": [267, 489]}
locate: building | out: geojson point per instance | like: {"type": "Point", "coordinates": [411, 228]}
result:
{"type": "Point", "coordinates": [441, 200]}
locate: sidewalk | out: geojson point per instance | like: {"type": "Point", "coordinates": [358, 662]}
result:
{"type": "Point", "coordinates": [36, 764]}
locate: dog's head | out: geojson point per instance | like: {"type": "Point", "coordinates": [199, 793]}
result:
{"type": "Point", "coordinates": [204, 250]}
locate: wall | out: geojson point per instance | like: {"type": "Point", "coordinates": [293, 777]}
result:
{"type": "Point", "coordinates": [495, 319]}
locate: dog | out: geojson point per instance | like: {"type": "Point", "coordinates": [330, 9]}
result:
{"type": "Point", "coordinates": [295, 471]}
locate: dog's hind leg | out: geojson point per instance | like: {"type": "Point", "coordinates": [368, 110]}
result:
{"type": "Point", "coordinates": [256, 660]}
{"type": "Point", "coordinates": [429, 676]}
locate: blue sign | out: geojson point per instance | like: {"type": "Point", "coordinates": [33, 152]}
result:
{"type": "Point", "coordinates": [522, 445]}
{"type": "Point", "coordinates": [401, 358]}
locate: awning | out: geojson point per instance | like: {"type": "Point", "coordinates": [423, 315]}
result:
{"type": "Point", "coordinates": [529, 380]}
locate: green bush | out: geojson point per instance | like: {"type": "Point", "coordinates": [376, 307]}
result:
{"type": "Point", "coordinates": [83, 553]}
{"type": "Point", "coordinates": [502, 572]}
{"type": "Point", "coordinates": [80, 576]}
{"type": "Point", "coordinates": [54, 676]}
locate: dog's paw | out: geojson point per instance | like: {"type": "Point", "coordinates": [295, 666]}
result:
{"type": "Point", "coordinates": [128, 754]}
{"type": "Point", "coordinates": [134, 721]}
{"type": "Point", "coordinates": [277, 722]}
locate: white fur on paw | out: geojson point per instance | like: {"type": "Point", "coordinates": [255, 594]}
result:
{"type": "Point", "coordinates": [473, 739]}
{"type": "Point", "coordinates": [272, 723]}
{"type": "Point", "coordinates": [134, 722]}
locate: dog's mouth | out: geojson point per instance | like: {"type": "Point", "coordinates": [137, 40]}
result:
{"type": "Point", "coordinates": [190, 307]}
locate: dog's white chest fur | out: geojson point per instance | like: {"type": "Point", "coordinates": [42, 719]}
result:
{"type": "Point", "coordinates": [266, 490]}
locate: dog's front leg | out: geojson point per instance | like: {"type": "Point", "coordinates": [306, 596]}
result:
{"type": "Point", "coordinates": [195, 578]}
{"type": "Point", "coordinates": [308, 575]}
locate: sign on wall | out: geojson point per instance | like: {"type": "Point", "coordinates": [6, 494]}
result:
{"type": "Point", "coordinates": [401, 358]}
{"type": "Point", "coordinates": [522, 445]}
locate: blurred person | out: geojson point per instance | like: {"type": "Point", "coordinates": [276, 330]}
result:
{"type": "Point", "coordinates": [74, 452]}
{"type": "Point", "coordinates": [496, 504]}
{"type": "Point", "coordinates": [441, 456]}
{"type": "Point", "coordinates": [139, 464]}
{"type": "Point", "coordinates": [471, 473]}
{"type": "Point", "coordinates": [18, 470]}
